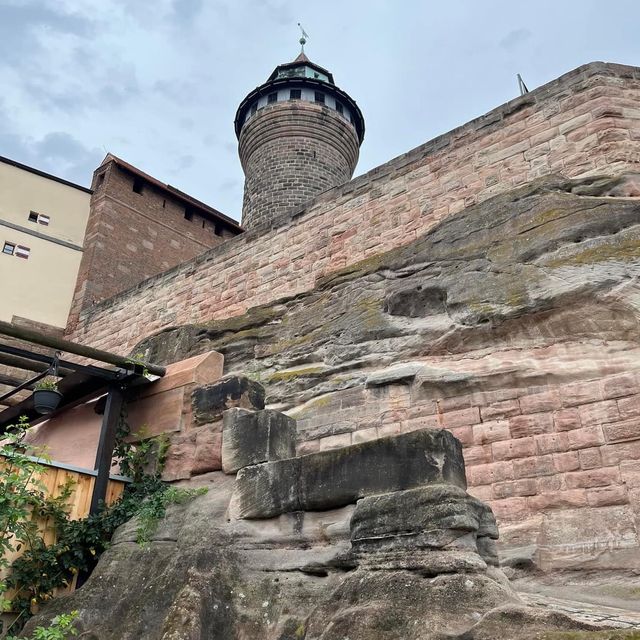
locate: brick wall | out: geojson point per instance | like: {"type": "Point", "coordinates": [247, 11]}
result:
{"type": "Point", "coordinates": [132, 236]}
{"type": "Point", "coordinates": [585, 122]}
{"type": "Point", "coordinates": [291, 151]}
{"type": "Point", "coordinates": [529, 451]}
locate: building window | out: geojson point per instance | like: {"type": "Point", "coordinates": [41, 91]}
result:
{"type": "Point", "coordinates": [295, 94]}
{"type": "Point", "coordinates": [39, 218]}
{"type": "Point", "coordinates": [22, 252]}
{"type": "Point", "coordinates": [138, 184]}
{"type": "Point", "coordinates": [254, 108]}
{"type": "Point", "coordinates": [339, 108]}
{"type": "Point", "coordinates": [319, 97]}
{"type": "Point", "coordinates": [8, 248]}
{"type": "Point", "coordinates": [272, 97]}
{"type": "Point", "coordinates": [99, 180]}
{"type": "Point", "coordinates": [188, 213]}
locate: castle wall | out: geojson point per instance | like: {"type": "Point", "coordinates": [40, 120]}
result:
{"type": "Point", "coordinates": [585, 122]}
{"type": "Point", "coordinates": [554, 451]}
{"type": "Point", "coordinates": [132, 236]}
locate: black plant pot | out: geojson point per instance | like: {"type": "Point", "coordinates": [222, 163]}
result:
{"type": "Point", "coordinates": [46, 400]}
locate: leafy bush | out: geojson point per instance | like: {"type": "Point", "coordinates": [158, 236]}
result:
{"type": "Point", "coordinates": [41, 569]}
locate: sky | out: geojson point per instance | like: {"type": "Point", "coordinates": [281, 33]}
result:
{"type": "Point", "coordinates": [157, 82]}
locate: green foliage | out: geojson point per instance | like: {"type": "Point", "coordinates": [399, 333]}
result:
{"type": "Point", "coordinates": [47, 384]}
{"type": "Point", "coordinates": [61, 627]}
{"type": "Point", "coordinates": [154, 509]}
{"type": "Point", "coordinates": [41, 569]}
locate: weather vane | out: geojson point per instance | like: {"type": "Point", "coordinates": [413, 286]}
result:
{"type": "Point", "coordinates": [304, 37]}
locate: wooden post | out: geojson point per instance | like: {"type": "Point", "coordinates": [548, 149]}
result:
{"type": "Point", "coordinates": [104, 455]}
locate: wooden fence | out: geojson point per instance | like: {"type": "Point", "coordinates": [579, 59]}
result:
{"type": "Point", "coordinates": [54, 477]}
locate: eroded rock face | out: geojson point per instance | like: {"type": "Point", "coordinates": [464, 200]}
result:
{"type": "Point", "coordinates": [516, 324]}
{"type": "Point", "coordinates": [400, 564]}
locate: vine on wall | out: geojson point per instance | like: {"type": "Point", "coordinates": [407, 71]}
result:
{"type": "Point", "coordinates": [26, 510]}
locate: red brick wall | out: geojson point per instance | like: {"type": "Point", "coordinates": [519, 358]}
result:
{"type": "Point", "coordinates": [585, 122]}
{"type": "Point", "coordinates": [133, 236]}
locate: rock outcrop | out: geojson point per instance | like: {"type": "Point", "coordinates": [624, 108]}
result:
{"type": "Point", "coordinates": [414, 559]}
{"type": "Point", "coordinates": [515, 324]}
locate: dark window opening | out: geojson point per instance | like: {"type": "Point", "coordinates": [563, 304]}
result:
{"type": "Point", "coordinates": [272, 97]}
{"type": "Point", "coordinates": [204, 223]}
{"type": "Point", "coordinates": [164, 204]}
{"type": "Point", "coordinates": [8, 248]}
{"type": "Point", "coordinates": [188, 213]}
{"type": "Point", "coordinates": [217, 229]}
{"type": "Point", "coordinates": [100, 180]}
{"type": "Point", "coordinates": [33, 216]}
{"type": "Point", "coordinates": [138, 184]}
{"type": "Point", "coordinates": [254, 108]}
{"type": "Point", "coordinates": [319, 97]}
{"type": "Point", "coordinates": [295, 94]}
{"type": "Point", "coordinates": [339, 108]}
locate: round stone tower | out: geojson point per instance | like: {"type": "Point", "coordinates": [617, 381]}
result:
{"type": "Point", "coordinates": [299, 135]}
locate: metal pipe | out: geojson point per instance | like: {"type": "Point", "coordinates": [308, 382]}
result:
{"type": "Point", "coordinates": [17, 362]}
{"type": "Point", "coordinates": [22, 333]}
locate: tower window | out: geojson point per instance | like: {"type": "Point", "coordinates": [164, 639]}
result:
{"type": "Point", "coordinates": [254, 108]}
{"type": "Point", "coordinates": [295, 94]}
{"type": "Point", "coordinates": [319, 97]}
{"type": "Point", "coordinates": [188, 214]}
{"type": "Point", "coordinates": [138, 184]}
{"type": "Point", "coordinates": [339, 108]}
{"type": "Point", "coordinates": [272, 97]}
{"type": "Point", "coordinates": [8, 248]}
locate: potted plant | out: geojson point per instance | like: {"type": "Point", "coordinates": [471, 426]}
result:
{"type": "Point", "coordinates": [46, 396]}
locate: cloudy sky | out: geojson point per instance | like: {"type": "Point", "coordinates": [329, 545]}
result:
{"type": "Point", "coordinates": [157, 82]}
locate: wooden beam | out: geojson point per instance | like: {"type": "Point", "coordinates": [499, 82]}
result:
{"type": "Point", "coordinates": [22, 333]}
{"type": "Point", "coordinates": [104, 455]}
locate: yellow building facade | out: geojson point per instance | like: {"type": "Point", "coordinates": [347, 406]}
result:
{"type": "Point", "coordinates": [43, 220]}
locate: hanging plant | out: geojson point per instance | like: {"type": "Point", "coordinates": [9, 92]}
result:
{"type": "Point", "coordinates": [46, 396]}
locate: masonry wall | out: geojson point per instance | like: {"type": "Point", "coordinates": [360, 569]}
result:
{"type": "Point", "coordinates": [585, 122]}
{"type": "Point", "coordinates": [132, 236]}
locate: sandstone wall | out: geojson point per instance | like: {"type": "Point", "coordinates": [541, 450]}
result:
{"type": "Point", "coordinates": [585, 122]}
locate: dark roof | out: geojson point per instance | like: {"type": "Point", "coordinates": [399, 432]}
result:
{"type": "Point", "coordinates": [300, 61]}
{"type": "Point", "coordinates": [185, 198]}
{"type": "Point", "coordinates": [43, 174]}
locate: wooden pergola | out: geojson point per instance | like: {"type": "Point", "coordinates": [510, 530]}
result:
{"type": "Point", "coordinates": [24, 352]}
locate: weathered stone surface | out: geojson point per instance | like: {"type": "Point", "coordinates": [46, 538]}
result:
{"type": "Point", "coordinates": [332, 479]}
{"type": "Point", "coordinates": [522, 309]}
{"type": "Point", "coordinates": [252, 437]}
{"type": "Point", "coordinates": [210, 401]}
{"type": "Point", "coordinates": [208, 576]}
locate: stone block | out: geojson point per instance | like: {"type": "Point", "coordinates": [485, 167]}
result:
{"type": "Point", "coordinates": [619, 386]}
{"type": "Point", "coordinates": [585, 437]}
{"type": "Point", "coordinates": [545, 401]}
{"type": "Point", "coordinates": [621, 431]}
{"type": "Point", "coordinates": [530, 425]}
{"type": "Point", "coordinates": [567, 461]}
{"type": "Point", "coordinates": [592, 478]}
{"type": "Point", "coordinates": [252, 437]}
{"type": "Point", "coordinates": [497, 410]}
{"type": "Point", "coordinates": [330, 479]}
{"type": "Point", "coordinates": [566, 419]}
{"type": "Point", "coordinates": [598, 413]}
{"type": "Point", "coordinates": [580, 393]}
{"type": "Point", "coordinates": [534, 467]}
{"type": "Point", "coordinates": [510, 449]}
{"type": "Point", "coordinates": [209, 402]}
{"type": "Point", "coordinates": [492, 431]}
{"type": "Point", "coordinates": [607, 496]}
{"type": "Point", "coordinates": [629, 407]}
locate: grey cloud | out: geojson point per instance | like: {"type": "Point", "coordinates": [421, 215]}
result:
{"type": "Point", "coordinates": [20, 22]}
{"type": "Point", "coordinates": [185, 12]}
{"type": "Point", "coordinates": [57, 152]}
{"type": "Point", "coordinates": [185, 162]}
{"type": "Point", "coordinates": [515, 38]}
